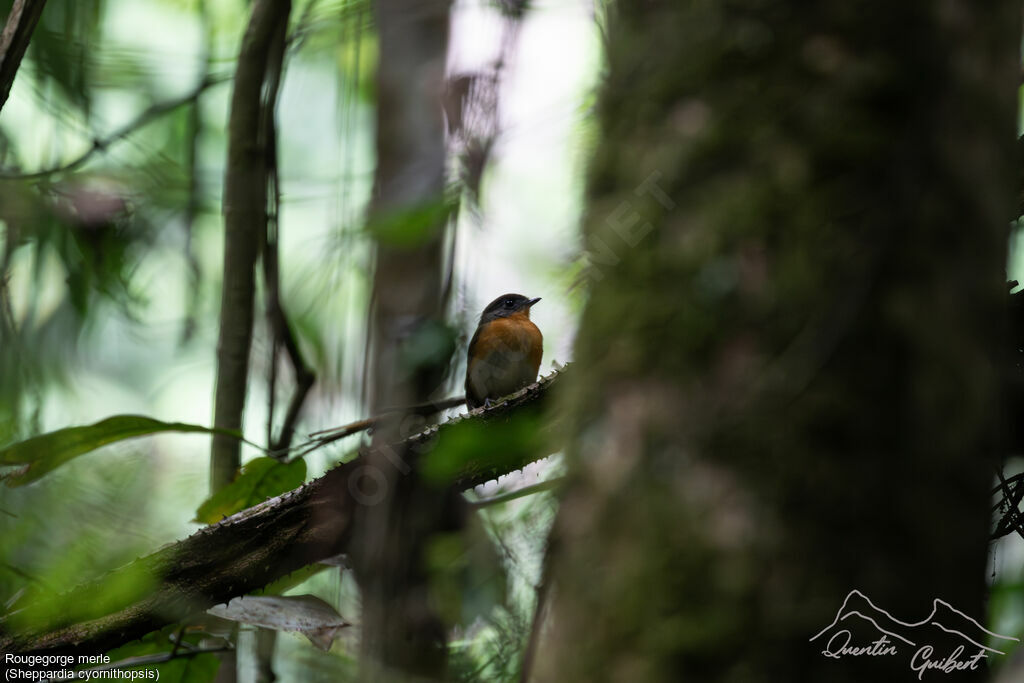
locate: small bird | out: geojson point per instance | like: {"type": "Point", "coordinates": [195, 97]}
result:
{"type": "Point", "coordinates": [504, 354]}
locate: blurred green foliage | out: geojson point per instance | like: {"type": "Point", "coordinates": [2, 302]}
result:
{"type": "Point", "coordinates": [497, 442]}
{"type": "Point", "coordinates": [468, 579]}
{"type": "Point", "coordinates": [111, 172]}
{"type": "Point", "coordinates": [190, 668]}
{"type": "Point", "coordinates": [51, 609]}
{"type": "Point", "coordinates": [413, 226]}
{"type": "Point", "coordinates": [109, 243]}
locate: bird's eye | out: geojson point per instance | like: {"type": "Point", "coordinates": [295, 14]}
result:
{"type": "Point", "coordinates": [509, 303]}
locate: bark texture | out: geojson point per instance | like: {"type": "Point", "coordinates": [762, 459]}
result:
{"type": "Point", "coordinates": [402, 636]}
{"type": "Point", "coordinates": [786, 386]}
{"type": "Point", "coordinates": [14, 39]}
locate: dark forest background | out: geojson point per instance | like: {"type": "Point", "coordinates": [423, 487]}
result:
{"type": "Point", "coordinates": [243, 241]}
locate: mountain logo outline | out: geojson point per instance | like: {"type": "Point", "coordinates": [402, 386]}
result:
{"type": "Point", "coordinates": [950, 617]}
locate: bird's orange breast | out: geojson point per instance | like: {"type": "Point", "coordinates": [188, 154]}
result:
{"type": "Point", "coordinates": [504, 356]}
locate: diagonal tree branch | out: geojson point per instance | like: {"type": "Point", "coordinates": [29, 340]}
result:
{"type": "Point", "coordinates": [144, 118]}
{"type": "Point", "coordinates": [326, 436]}
{"type": "Point", "coordinates": [268, 541]}
{"type": "Point", "coordinates": [21, 22]}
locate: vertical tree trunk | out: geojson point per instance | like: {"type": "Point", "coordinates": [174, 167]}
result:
{"type": "Point", "coordinates": [245, 224]}
{"type": "Point", "coordinates": [402, 638]}
{"type": "Point", "coordinates": [787, 388]}
{"type": "Point", "coordinates": [250, 131]}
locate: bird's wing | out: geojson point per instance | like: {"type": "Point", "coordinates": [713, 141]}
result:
{"type": "Point", "coordinates": [472, 398]}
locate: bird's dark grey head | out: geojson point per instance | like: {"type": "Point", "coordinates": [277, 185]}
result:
{"type": "Point", "coordinates": [506, 305]}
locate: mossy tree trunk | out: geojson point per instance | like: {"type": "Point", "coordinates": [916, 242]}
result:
{"type": "Point", "coordinates": [402, 637]}
{"type": "Point", "coordinates": [787, 383]}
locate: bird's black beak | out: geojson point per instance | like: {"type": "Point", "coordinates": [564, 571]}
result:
{"type": "Point", "coordinates": [531, 302]}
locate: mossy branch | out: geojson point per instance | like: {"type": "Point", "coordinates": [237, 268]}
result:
{"type": "Point", "coordinates": [268, 541]}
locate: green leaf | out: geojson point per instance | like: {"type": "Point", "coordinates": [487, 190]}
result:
{"type": "Point", "coordinates": [45, 452]}
{"type": "Point", "coordinates": [259, 479]}
{"type": "Point", "coordinates": [290, 581]}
